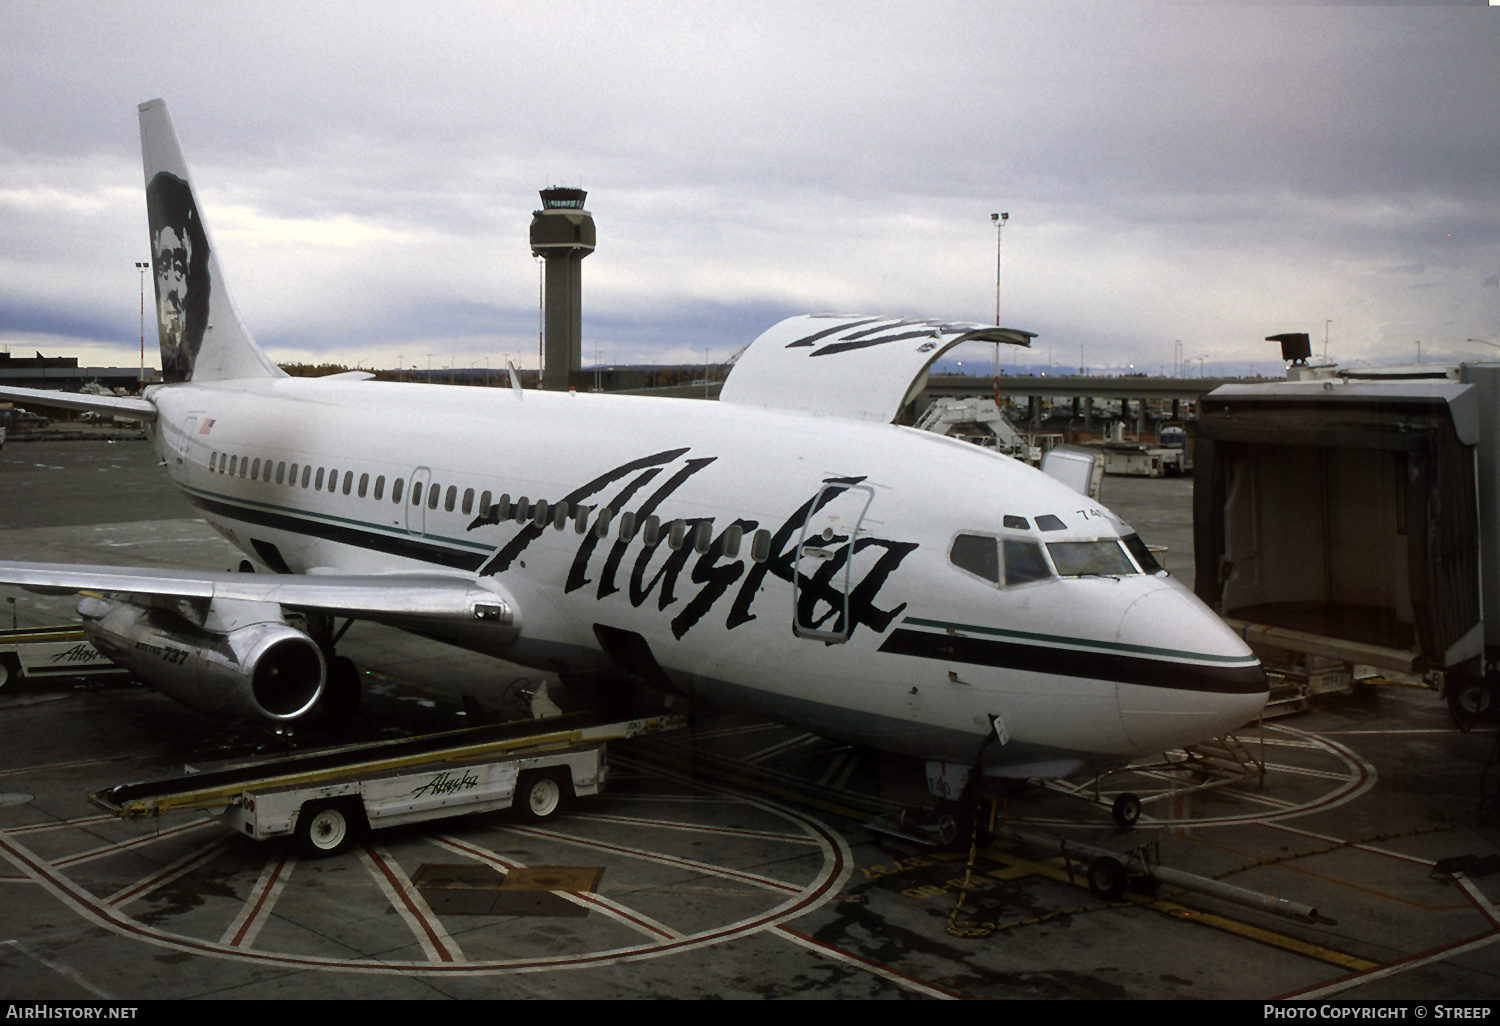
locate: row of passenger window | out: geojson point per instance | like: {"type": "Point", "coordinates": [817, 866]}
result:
{"type": "Point", "coordinates": [279, 472]}
{"type": "Point", "coordinates": [541, 513]}
{"type": "Point", "coordinates": [1021, 560]}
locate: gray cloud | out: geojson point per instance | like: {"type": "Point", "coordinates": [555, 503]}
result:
{"type": "Point", "coordinates": [1213, 173]}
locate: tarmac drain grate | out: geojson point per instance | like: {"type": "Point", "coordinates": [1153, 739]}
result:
{"type": "Point", "coordinates": [470, 889]}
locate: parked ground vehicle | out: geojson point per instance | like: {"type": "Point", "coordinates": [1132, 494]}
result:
{"type": "Point", "coordinates": [49, 652]}
{"type": "Point", "coordinates": [327, 799]}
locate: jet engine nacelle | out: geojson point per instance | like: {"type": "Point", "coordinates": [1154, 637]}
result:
{"type": "Point", "coordinates": [264, 670]}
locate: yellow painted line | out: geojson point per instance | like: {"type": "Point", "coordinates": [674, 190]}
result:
{"type": "Point", "coordinates": [1053, 869]}
{"type": "Point", "coordinates": [1277, 940]}
{"type": "Point", "coordinates": [1332, 881]}
{"type": "Point", "coordinates": [1332, 848]}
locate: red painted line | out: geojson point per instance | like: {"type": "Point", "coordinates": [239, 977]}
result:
{"type": "Point", "coordinates": [86, 905]}
{"type": "Point", "coordinates": [762, 835]}
{"type": "Point", "coordinates": [63, 824]}
{"type": "Point", "coordinates": [260, 903]}
{"type": "Point", "coordinates": [151, 882]}
{"type": "Point", "coordinates": [670, 860]}
{"type": "Point", "coordinates": [605, 905]}
{"type": "Point", "coordinates": [136, 842]}
{"type": "Point", "coordinates": [1355, 846]}
{"type": "Point", "coordinates": [1387, 968]}
{"type": "Point", "coordinates": [624, 912]}
{"type": "Point", "coordinates": [443, 953]}
{"type": "Point", "coordinates": [480, 853]}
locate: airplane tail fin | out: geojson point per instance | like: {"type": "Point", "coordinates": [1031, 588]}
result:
{"type": "Point", "coordinates": [202, 336]}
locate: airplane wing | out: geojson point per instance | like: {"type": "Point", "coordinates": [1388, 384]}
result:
{"type": "Point", "coordinates": [120, 406]}
{"type": "Point", "coordinates": [841, 366]}
{"type": "Point", "coordinates": [369, 596]}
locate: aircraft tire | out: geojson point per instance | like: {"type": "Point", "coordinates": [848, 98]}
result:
{"type": "Point", "coordinates": [539, 794]}
{"type": "Point", "coordinates": [1126, 810]}
{"type": "Point", "coordinates": [1469, 701]}
{"type": "Point", "coordinates": [9, 670]}
{"type": "Point", "coordinates": [326, 828]}
{"type": "Point", "coordinates": [341, 692]}
{"type": "Point", "coordinates": [1107, 878]}
{"type": "Point", "coordinates": [953, 824]}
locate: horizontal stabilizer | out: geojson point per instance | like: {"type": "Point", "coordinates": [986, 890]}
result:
{"type": "Point", "coordinates": [841, 366]}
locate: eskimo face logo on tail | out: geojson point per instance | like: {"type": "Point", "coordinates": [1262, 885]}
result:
{"type": "Point", "coordinates": [640, 571]}
{"type": "Point", "coordinates": [179, 253]}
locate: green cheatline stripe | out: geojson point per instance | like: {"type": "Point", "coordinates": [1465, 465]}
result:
{"type": "Point", "coordinates": [305, 514]}
{"type": "Point", "coordinates": [1083, 643]}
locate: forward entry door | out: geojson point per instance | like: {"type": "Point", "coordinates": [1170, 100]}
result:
{"type": "Point", "coordinates": [824, 567]}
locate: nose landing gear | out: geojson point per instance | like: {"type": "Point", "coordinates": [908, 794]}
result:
{"type": "Point", "coordinates": [1126, 810]}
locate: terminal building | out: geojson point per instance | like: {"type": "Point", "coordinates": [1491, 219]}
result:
{"type": "Point", "coordinates": [63, 372]}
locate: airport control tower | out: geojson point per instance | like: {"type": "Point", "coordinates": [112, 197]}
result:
{"type": "Point", "coordinates": [562, 233]}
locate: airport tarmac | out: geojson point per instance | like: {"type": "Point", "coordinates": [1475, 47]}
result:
{"type": "Point", "coordinates": [731, 860]}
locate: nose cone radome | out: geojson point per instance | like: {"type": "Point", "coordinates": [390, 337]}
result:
{"type": "Point", "coordinates": [1198, 680]}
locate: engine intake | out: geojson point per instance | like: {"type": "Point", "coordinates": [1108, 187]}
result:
{"type": "Point", "coordinates": [267, 670]}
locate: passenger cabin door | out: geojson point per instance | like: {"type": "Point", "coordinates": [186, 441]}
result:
{"type": "Point", "coordinates": [180, 444]}
{"type": "Point", "coordinates": [416, 501]}
{"type": "Point", "coordinates": [823, 569]}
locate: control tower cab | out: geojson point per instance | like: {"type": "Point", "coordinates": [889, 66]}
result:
{"type": "Point", "coordinates": [562, 234]}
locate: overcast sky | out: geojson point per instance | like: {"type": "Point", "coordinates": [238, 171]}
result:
{"type": "Point", "coordinates": [1211, 173]}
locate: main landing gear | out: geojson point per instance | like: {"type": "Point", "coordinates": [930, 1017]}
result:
{"type": "Point", "coordinates": [341, 688]}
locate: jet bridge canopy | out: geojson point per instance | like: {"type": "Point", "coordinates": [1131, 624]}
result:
{"type": "Point", "coordinates": [1344, 514]}
{"type": "Point", "coordinates": [845, 366]}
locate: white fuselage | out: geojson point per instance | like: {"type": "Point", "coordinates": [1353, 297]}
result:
{"type": "Point", "coordinates": [865, 631]}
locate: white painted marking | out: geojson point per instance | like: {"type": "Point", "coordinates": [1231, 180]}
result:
{"type": "Point", "coordinates": [693, 828]}
{"type": "Point", "coordinates": [661, 858]}
{"type": "Point", "coordinates": [900, 979]}
{"type": "Point", "coordinates": [62, 970]}
{"type": "Point", "coordinates": [160, 879]}
{"type": "Point", "coordinates": [781, 748]}
{"type": "Point", "coordinates": [626, 916]}
{"type": "Point", "coordinates": [256, 910]}
{"type": "Point", "coordinates": [824, 882]}
{"type": "Point", "coordinates": [409, 904]}
{"type": "Point", "coordinates": [137, 842]}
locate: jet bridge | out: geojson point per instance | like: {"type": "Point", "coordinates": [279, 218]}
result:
{"type": "Point", "coordinates": [1339, 521]}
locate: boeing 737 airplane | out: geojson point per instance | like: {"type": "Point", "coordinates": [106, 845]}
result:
{"type": "Point", "coordinates": [786, 550]}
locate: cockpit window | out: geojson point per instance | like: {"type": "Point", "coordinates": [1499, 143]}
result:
{"type": "Point", "coordinates": [1016, 523]}
{"type": "Point", "coordinates": [978, 555]}
{"type": "Point", "coordinates": [1024, 562]}
{"type": "Point", "coordinates": [1143, 557]}
{"type": "Point", "coordinates": [1048, 522]}
{"type": "Point", "coordinates": [1103, 558]}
